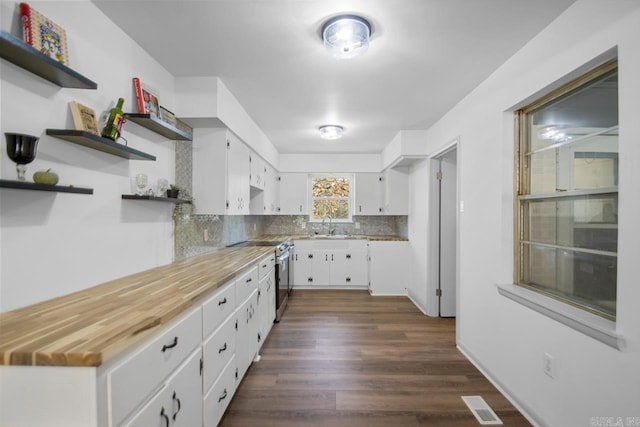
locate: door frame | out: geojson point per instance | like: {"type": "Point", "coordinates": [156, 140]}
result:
{"type": "Point", "coordinates": [433, 246]}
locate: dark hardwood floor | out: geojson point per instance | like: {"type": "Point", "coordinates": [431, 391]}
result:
{"type": "Point", "coordinates": [345, 358]}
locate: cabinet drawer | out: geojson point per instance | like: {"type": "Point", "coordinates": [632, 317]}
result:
{"type": "Point", "coordinates": [217, 351]}
{"type": "Point", "coordinates": [245, 284]}
{"type": "Point", "coordinates": [266, 265]}
{"type": "Point", "coordinates": [218, 398]}
{"type": "Point", "coordinates": [217, 308]}
{"type": "Point", "coordinates": [144, 371]}
{"type": "Point", "coordinates": [179, 402]}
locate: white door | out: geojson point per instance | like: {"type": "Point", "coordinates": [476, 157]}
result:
{"type": "Point", "coordinates": [447, 234]}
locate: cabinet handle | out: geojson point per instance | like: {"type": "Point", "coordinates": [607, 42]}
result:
{"type": "Point", "coordinates": [310, 256]}
{"type": "Point", "coordinates": [249, 280]}
{"type": "Point", "coordinates": [296, 257]}
{"type": "Point", "coordinates": [348, 256]}
{"type": "Point", "coordinates": [360, 208]}
{"type": "Point", "coordinates": [223, 348]}
{"type": "Point", "coordinates": [173, 344]}
{"type": "Point", "coordinates": [165, 416]}
{"type": "Point", "coordinates": [175, 397]}
{"type": "Point", "coordinates": [264, 265]}
{"type": "Point", "coordinates": [223, 397]}
{"type": "Point", "coordinates": [224, 301]}
{"type": "Point", "coordinates": [348, 279]}
{"type": "Point", "coordinates": [331, 257]}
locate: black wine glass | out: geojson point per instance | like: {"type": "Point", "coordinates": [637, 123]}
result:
{"type": "Point", "coordinates": [21, 149]}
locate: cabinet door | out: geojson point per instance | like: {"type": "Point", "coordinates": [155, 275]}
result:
{"type": "Point", "coordinates": [178, 403]}
{"type": "Point", "coordinates": [396, 190]}
{"type": "Point", "coordinates": [238, 173]}
{"type": "Point", "coordinates": [270, 191]}
{"type": "Point", "coordinates": [217, 399]}
{"type": "Point", "coordinates": [321, 267]}
{"type": "Point", "coordinates": [389, 267]}
{"type": "Point", "coordinates": [210, 170]}
{"type": "Point", "coordinates": [302, 267]}
{"type": "Point", "coordinates": [357, 267]}
{"type": "Point", "coordinates": [293, 194]}
{"type": "Point", "coordinates": [185, 390]}
{"type": "Point", "coordinates": [258, 171]}
{"type": "Point", "coordinates": [368, 194]}
{"type": "Point", "coordinates": [247, 333]}
{"type": "Point", "coordinates": [266, 306]}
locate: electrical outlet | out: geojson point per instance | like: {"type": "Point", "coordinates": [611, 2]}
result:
{"type": "Point", "coordinates": [549, 366]}
{"type": "Point", "coordinates": [255, 226]}
{"type": "Point", "coordinates": [357, 226]}
{"type": "Point", "coordinates": [206, 235]}
{"type": "Point", "coordinates": [304, 225]}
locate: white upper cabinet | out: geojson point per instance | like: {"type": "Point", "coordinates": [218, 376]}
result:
{"type": "Point", "coordinates": [396, 191]}
{"type": "Point", "coordinates": [258, 171]}
{"type": "Point", "coordinates": [271, 191]}
{"type": "Point", "coordinates": [368, 194]}
{"type": "Point", "coordinates": [294, 189]}
{"type": "Point", "coordinates": [221, 171]}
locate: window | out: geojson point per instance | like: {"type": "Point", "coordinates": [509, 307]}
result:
{"type": "Point", "coordinates": [331, 197]}
{"type": "Point", "coordinates": [567, 193]}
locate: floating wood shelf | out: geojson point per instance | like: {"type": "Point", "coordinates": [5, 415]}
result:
{"type": "Point", "coordinates": [158, 126]}
{"type": "Point", "coordinates": [21, 54]}
{"type": "Point", "coordinates": [155, 198]}
{"type": "Point", "coordinates": [98, 143]}
{"type": "Point", "coordinates": [23, 185]}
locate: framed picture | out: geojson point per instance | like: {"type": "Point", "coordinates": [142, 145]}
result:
{"type": "Point", "coordinates": [43, 34]}
{"type": "Point", "coordinates": [147, 98]}
{"type": "Point", "coordinates": [168, 116]}
{"type": "Point", "coordinates": [84, 118]}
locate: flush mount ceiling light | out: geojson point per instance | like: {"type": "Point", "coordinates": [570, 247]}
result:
{"type": "Point", "coordinates": [346, 36]}
{"type": "Point", "coordinates": [330, 131]}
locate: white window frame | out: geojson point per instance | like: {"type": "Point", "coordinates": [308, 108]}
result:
{"type": "Point", "coordinates": [580, 318]}
{"type": "Point", "coordinates": [350, 177]}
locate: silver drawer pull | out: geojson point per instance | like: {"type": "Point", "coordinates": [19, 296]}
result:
{"type": "Point", "coordinates": [173, 344]}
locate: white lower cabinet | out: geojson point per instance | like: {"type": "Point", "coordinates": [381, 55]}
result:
{"type": "Point", "coordinates": [266, 305]}
{"type": "Point", "coordinates": [138, 375]}
{"type": "Point", "coordinates": [331, 263]}
{"type": "Point", "coordinates": [389, 267]}
{"type": "Point", "coordinates": [179, 401]}
{"type": "Point", "coordinates": [247, 334]}
{"type": "Point", "coordinates": [182, 375]}
{"type": "Point", "coordinates": [218, 397]}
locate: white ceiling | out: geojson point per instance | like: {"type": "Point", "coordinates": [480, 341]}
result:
{"type": "Point", "coordinates": [425, 55]}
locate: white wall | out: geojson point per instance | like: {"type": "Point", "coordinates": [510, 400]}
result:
{"type": "Point", "coordinates": [504, 338]}
{"type": "Point", "coordinates": [330, 163]}
{"type": "Point", "coordinates": [56, 243]}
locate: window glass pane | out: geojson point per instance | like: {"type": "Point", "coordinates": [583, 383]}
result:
{"type": "Point", "coordinates": [568, 221]}
{"type": "Point", "coordinates": [586, 222]}
{"type": "Point", "coordinates": [331, 187]}
{"type": "Point", "coordinates": [330, 208]}
{"type": "Point", "coordinates": [588, 279]}
{"type": "Point", "coordinates": [572, 143]}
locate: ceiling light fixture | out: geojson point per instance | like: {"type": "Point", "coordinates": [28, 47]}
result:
{"type": "Point", "coordinates": [346, 36]}
{"type": "Point", "coordinates": [330, 131]}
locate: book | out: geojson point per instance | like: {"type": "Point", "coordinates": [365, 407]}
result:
{"type": "Point", "coordinates": [43, 34]}
{"type": "Point", "coordinates": [84, 118]}
{"type": "Point", "coordinates": [147, 98]}
{"type": "Point", "coordinates": [137, 90]}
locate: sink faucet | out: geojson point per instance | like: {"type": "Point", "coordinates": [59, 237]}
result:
{"type": "Point", "coordinates": [330, 231]}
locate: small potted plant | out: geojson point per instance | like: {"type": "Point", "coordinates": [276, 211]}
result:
{"type": "Point", "coordinates": [173, 191]}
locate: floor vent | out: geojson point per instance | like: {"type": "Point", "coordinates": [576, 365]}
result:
{"type": "Point", "coordinates": [483, 413]}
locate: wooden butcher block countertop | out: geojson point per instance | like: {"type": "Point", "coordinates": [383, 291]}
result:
{"type": "Point", "coordinates": [89, 327]}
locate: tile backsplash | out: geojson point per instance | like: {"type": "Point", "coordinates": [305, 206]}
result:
{"type": "Point", "coordinates": [195, 233]}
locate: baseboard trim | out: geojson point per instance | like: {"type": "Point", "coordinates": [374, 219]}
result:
{"type": "Point", "coordinates": [524, 409]}
{"type": "Point", "coordinates": [416, 304]}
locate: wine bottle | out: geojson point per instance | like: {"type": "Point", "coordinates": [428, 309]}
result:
{"type": "Point", "coordinates": [113, 125]}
